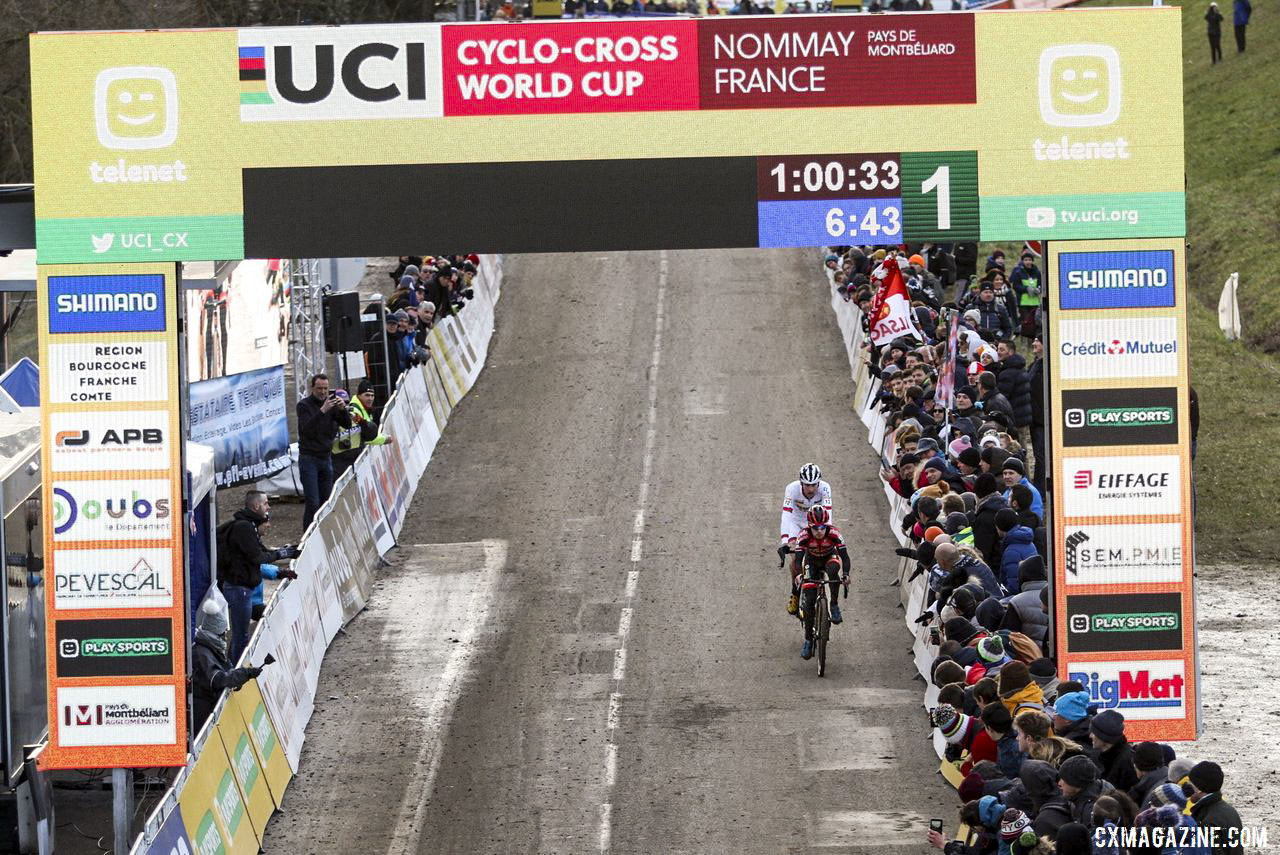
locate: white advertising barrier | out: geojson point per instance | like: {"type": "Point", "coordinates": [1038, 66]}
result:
{"type": "Point", "coordinates": [354, 528]}
{"type": "Point", "coordinates": [866, 387]}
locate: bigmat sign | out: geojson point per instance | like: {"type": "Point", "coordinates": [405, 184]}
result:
{"type": "Point", "coordinates": [115, 645]}
{"type": "Point", "coordinates": [1122, 549]}
{"type": "Point", "coordinates": [766, 131]}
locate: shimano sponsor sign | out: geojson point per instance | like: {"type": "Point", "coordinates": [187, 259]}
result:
{"type": "Point", "coordinates": [1139, 279]}
{"type": "Point", "coordinates": [1122, 486]}
{"type": "Point", "coordinates": [1142, 553]}
{"type": "Point", "coordinates": [106, 304]}
{"type": "Point", "coordinates": [1092, 417]}
{"type": "Point", "coordinates": [1149, 689]}
{"type": "Point", "coordinates": [1111, 623]}
{"type": "Point", "coordinates": [1116, 347]}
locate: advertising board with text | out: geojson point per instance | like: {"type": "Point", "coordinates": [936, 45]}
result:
{"type": "Point", "coordinates": [111, 444]}
{"type": "Point", "coordinates": [1124, 589]}
{"type": "Point", "coordinates": [190, 145]}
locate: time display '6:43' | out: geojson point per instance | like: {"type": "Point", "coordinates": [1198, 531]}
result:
{"type": "Point", "coordinates": [871, 221]}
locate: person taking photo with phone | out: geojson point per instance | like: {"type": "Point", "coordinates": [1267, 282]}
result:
{"type": "Point", "coordinates": [320, 416]}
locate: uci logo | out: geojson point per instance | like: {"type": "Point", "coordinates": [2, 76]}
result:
{"type": "Point", "coordinates": [363, 72]}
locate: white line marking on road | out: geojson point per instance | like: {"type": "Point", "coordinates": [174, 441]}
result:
{"type": "Point", "coordinates": [637, 550]}
{"type": "Point", "coordinates": [421, 782]}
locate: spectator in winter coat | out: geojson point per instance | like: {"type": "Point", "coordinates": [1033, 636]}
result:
{"type": "Point", "coordinates": [1021, 498]}
{"type": "Point", "coordinates": [1017, 690]}
{"type": "Point", "coordinates": [1071, 716]}
{"type": "Point", "coordinates": [1207, 807]}
{"type": "Point", "coordinates": [1024, 613]}
{"type": "Point", "coordinates": [999, 725]}
{"type": "Point", "coordinates": [990, 502]}
{"type": "Point", "coordinates": [1243, 9]}
{"type": "Point", "coordinates": [1213, 20]}
{"type": "Point", "coordinates": [963, 568]}
{"type": "Point", "coordinates": [1026, 282]}
{"type": "Point", "coordinates": [1111, 751]}
{"type": "Point", "coordinates": [1037, 783]}
{"type": "Point", "coordinates": [1080, 788]}
{"type": "Point", "coordinates": [993, 316]}
{"type": "Point", "coordinates": [1036, 375]}
{"type": "Point", "coordinates": [1148, 760]}
{"type": "Point", "coordinates": [1014, 382]}
{"type": "Point", "coordinates": [211, 670]}
{"type": "Point", "coordinates": [993, 401]}
{"type": "Point", "coordinates": [1017, 545]}
{"type": "Point", "coordinates": [1015, 473]}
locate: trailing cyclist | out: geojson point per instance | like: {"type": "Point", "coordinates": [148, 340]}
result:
{"type": "Point", "coordinates": [809, 491]}
{"type": "Point", "coordinates": [820, 552]}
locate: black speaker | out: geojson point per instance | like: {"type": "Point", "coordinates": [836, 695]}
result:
{"type": "Point", "coordinates": [342, 330]}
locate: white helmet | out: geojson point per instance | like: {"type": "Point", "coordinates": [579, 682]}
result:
{"type": "Point", "coordinates": [810, 474]}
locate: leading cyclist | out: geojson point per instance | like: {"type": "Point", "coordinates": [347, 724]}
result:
{"type": "Point", "coordinates": [820, 552]}
{"type": "Point", "coordinates": [809, 491]}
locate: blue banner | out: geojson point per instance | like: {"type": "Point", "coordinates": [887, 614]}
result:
{"type": "Point", "coordinates": [244, 418]}
{"type": "Point", "coordinates": [1134, 279]}
{"type": "Point", "coordinates": [172, 836]}
{"type": "Point", "coordinates": [104, 304]}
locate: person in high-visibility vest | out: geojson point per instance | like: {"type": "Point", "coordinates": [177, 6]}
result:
{"type": "Point", "coordinates": [363, 430]}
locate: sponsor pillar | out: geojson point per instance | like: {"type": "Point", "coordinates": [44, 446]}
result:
{"type": "Point", "coordinates": [1121, 453]}
{"type": "Point", "coordinates": [113, 500]}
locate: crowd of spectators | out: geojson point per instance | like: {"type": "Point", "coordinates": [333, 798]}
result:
{"type": "Point", "coordinates": [1043, 769]}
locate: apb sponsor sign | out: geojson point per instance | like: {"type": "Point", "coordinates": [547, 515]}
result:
{"type": "Point", "coordinates": [115, 648]}
{"type": "Point", "coordinates": [112, 510]}
{"type": "Point", "coordinates": [102, 441]}
{"type": "Point", "coordinates": [1122, 486]}
{"type": "Point", "coordinates": [1153, 689]}
{"type": "Point", "coordinates": [1092, 417]}
{"type": "Point", "coordinates": [1137, 279]}
{"type": "Point", "coordinates": [116, 715]}
{"type": "Point", "coordinates": [360, 72]}
{"type": "Point", "coordinates": [1111, 623]}
{"type": "Point", "coordinates": [1123, 554]}
{"type": "Point", "coordinates": [1117, 347]}
{"type": "Point", "coordinates": [104, 304]}
{"type": "Point", "coordinates": [112, 579]}
{"type": "Point", "coordinates": [118, 372]}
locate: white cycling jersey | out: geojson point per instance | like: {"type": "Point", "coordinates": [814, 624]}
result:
{"type": "Point", "coordinates": [795, 507]}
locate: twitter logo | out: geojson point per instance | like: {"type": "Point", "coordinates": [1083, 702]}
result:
{"type": "Point", "coordinates": [103, 243]}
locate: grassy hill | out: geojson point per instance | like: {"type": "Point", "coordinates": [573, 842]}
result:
{"type": "Point", "coordinates": [1233, 223]}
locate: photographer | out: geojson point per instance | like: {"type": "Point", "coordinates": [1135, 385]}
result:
{"type": "Point", "coordinates": [240, 554]}
{"type": "Point", "coordinates": [363, 430]}
{"type": "Point", "coordinates": [320, 416]}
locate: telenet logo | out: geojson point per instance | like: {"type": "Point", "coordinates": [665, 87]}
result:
{"type": "Point", "coordinates": [1080, 86]}
{"type": "Point", "coordinates": [135, 108]}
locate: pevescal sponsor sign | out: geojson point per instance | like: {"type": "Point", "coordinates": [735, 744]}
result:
{"type": "Point", "coordinates": [103, 441]}
{"type": "Point", "coordinates": [1113, 623]}
{"type": "Point", "coordinates": [1139, 690]}
{"type": "Point", "coordinates": [112, 510]}
{"type": "Point", "coordinates": [96, 304]}
{"type": "Point", "coordinates": [1096, 417]}
{"type": "Point", "coordinates": [116, 715]}
{"type": "Point", "coordinates": [1133, 279]}
{"type": "Point", "coordinates": [1122, 486]}
{"type": "Point", "coordinates": [129, 647]}
{"type": "Point", "coordinates": [1141, 553]}
{"type": "Point", "coordinates": [1117, 347]}
{"type": "Point", "coordinates": [112, 578]}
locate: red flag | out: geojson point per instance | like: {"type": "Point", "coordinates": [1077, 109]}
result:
{"type": "Point", "coordinates": [891, 307]}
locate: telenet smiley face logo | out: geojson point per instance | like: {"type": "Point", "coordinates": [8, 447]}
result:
{"type": "Point", "coordinates": [1080, 85]}
{"type": "Point", "coordinates": [136, 107]}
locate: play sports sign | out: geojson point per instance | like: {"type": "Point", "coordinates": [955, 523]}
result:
{"type": "Point", "coordinates": [179, 145]}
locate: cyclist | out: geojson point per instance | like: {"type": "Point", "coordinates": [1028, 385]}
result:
{"type": "Point", "coordinates": [807, 492]}
{"type": "Point", "coordinates": [820, 551]}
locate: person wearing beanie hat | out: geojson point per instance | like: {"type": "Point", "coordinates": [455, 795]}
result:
{"type": "Point", "coordinates": [955, 523]}
{"type": "Point", "coordinates": [1112, 751]}
{"type": "Point", "coordinates": [991, 653]}
{"type": "Point", "coordinates": [969, 460]}
{"type": "Point", "coordinates": [1012, 825]}
{"type": "Point", "coordinates": [1179, 769]}
{"type": "Point", "coordinates": [1073, 839]}
{"type": "Point", "coordinates": [1017, 690]}
{"type": "Point", "coordinates": [1080, 788]}
{"type": "Point", "coordinates": [990, 502]}
{"type": "Point", "coordinates": [959, 629]}
{"type": "Point", "coordinates": [970, 501]}
{"type": "Point", "coordinates": [1209, 810]}
{"type": "Point", "coordinates": [1017, 545]}
{"type": "Point", "coordinates": [1071, 716]}
{"type": "Point", "coordinates": [211, 670]}
{"type": "Point", "coordinates": [1013, 472]}
{"type": "Point", "coordinates": [1148, 759]}
{"type": "Point", "coordinates": [971, 788]}
{"type": "Point", "coordinates": [956, 727]}
{"type": "Point", "coordinates": [1165, 794]}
